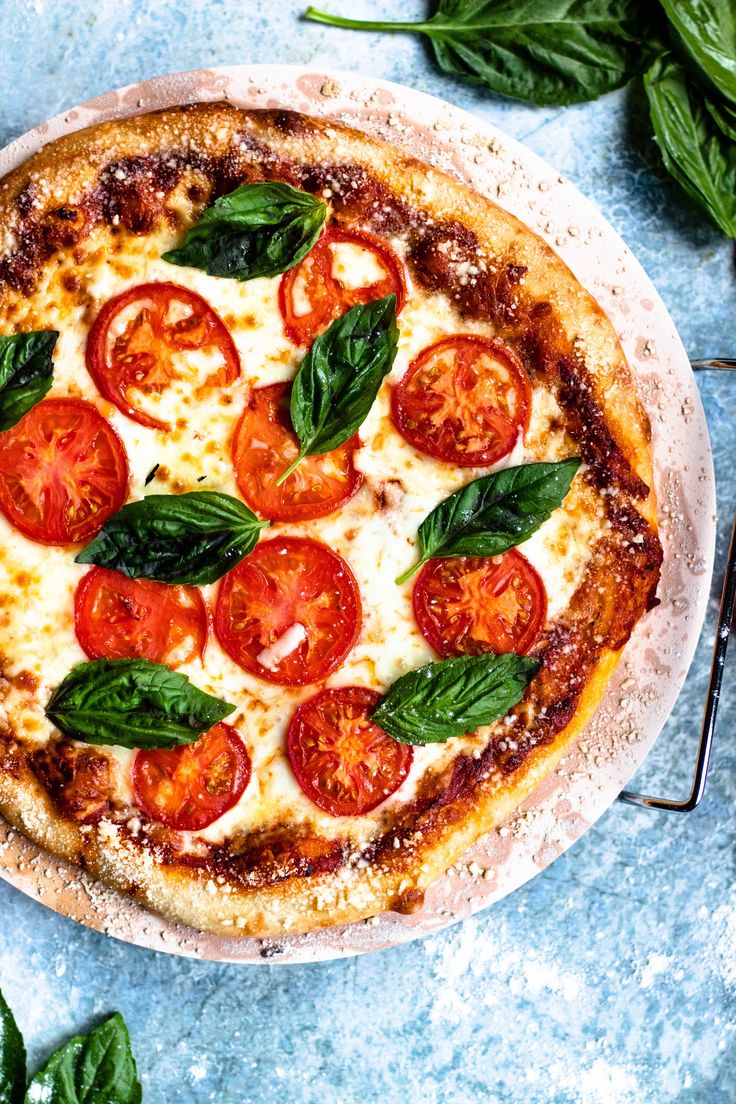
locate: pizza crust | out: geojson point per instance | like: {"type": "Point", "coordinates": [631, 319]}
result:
{"type": "Point", "coordinates": [82, 173]}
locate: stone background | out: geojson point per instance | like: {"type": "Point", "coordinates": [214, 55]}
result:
{"type": "Point", "coordinates": [609, 979]}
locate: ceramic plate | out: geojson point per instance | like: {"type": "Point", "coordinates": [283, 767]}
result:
{"type": "Point", "coordinates": [656, 660]}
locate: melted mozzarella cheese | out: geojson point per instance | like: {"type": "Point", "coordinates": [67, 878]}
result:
{"type": "Point", "coordinates": [375, 532]}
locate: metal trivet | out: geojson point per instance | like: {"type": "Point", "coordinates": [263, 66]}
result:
{"type": "Point", "coordinates": [723, 632]}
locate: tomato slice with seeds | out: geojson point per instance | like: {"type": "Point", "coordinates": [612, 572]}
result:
{"type": "Point", "coordinates": [290, 612]}
{"type": "Point", "coordinates": [63, 472]}
{"type": "Point", "coordinates": [345, 763]}
{"type": "Point", "coordinates": [464, 400]}
{"type": "Point", "coordinates": [188, 788]}
{"type": "Point", "coordinates": [320, 288]}
{"type": "Point", "coordinates": [120, 618]}
{"type": "Point", "coordinates": [466, 605]}
{"type": "Point", "coordinates": [263, 447]}
{"type": "Point", "coordinates": [152, 335]}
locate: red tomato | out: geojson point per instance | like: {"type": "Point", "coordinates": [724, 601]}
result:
{"type": "Point", "coordinates": [120, 618]}
{"type": "Point", "coordinates": [263, 447]}
{"type": "Point", "coordinates": [466, 605]}
{"type": "Point", "coordinates": [63, 472]}
{"type": "Point", "coordinates": [138, 340]}
{"type": "Point", "coordinates": [290, 612]}
{"type": "Point", "coordinates": [188, 788]}
{"type": "Point", "coordinates": [464, 400]}
{"type": "Point", "coordinates": [346, 764]}
{"type": "Point", "coordinates": [323, 296]}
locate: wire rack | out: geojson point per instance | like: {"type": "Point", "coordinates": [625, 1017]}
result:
{"type": "Point", "coordinates": [723, 633]}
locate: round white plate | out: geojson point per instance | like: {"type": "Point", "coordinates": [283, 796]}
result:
{"type": "Point", "coordinates": [656, 660]}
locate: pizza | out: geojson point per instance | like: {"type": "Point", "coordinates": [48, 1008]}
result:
{"type": "Point", "coordinates": [326, 511]}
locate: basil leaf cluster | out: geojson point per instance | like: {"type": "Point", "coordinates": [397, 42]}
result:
{"type": "Point", "coordinates": [132, 703]}
{"type": "Point", "coordinates": [565, 51]}
{"type": "Point", "coordinates": [26, 373]}
{"type": "Point", "coordinates": [339, 377]}
{"type": "Point", "coordinates": [193, 538]}
{"type": "Point", "coordinates": [696, 135]}
{"type": "Point", "coordinates": [256, 230]}
{"type": "Point", "coordinates": [494, 513]}
{"type": "Point", "coordinates": [452, 697]}
{"type": "Point", "coordinates": [547, 52]}
{"type": "Point", "coordinates": [98, 1068]}
{"type": "Point", "coordinates": [12, 1058]}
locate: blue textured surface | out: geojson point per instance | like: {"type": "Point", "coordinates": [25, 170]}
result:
{"type": "Point", "coordinates": [609, 979]}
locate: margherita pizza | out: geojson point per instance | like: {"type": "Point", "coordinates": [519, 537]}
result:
{"type": "Point", "coordinates": [325, 507]}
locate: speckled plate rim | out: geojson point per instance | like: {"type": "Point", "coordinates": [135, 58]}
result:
{"type": "Point", "coordinates": [655, 662]}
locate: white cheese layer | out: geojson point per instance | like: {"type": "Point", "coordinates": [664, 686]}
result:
{"type": "Point", "coordinates": [375, 532]}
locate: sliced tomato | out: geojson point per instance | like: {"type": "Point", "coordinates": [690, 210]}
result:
{"type": "Point", "coordinates": [63, 472]}
{"type": "Point", "coordinates": [345, 763]}
{"type": "Point", "coordinates": [466, 605]}
{"type": "Point", "coordinates": [188, 788]}
{"type": "Point", "coordinates": [141, 340]}
{"type": "Point", "coordinates": [464, 399]}
{"type": "Point", "coordinates": [120, 618]}
{"type": "Point", "coordinates": [263, 447]}
{"type": "Point", "coordinates": [320, 288]}
{"type": "Point", "coordinates": [290, 612]}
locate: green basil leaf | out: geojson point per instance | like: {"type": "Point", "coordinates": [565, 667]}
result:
{"type": "Point", "coordinates": [705, 32]}
{"type": "Point", "coordinates": [694, 149]}
{"type": "Point", "coordinates": [12, 1057]}
{"type": "Point", "coordinates": [132, 703]}
{"type": "Point", "coordinates": [339, 377]}
{"type": "Point", "coordinates": [26, 373]}
{"type": "Point", "coordinates": [542, 51]}
{"type": "Point", "coordinates": [494, 513]}
{"type": "Point", "coordinates": [453, 697]}
{"type": "Point", "coordinates": [724, 115]}
{"type": "Point", "coordinates": [257, 230]}
{"type": "Point", "coordinates": [98, 1068]}
{"type": "Point", "coordinates": [192, 538]}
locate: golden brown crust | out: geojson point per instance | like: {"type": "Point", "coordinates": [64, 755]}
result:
{"type": "Point", "coordinates": [131, 175]}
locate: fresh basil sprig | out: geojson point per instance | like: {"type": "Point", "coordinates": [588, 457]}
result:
{"type": "Point", "coordinates": [12, 1058]}
{"type": "Point", "coordinates": [494, 513]}
{"type": "Point", "coordinates": [695, 149]}
{"type": "Point", "coordinates": [192, 538]}
{"type": "Point", "coordinates": [132, 703]}
{"type": "Point", "coordinates": [26, 373]}
{"type": "Point", "coordinates": [452, 697]}
{"type": "Point", "coordinates": [257, 230]}
{"type": "Point", "coordinates": [98, 1068]}
{"type": "Point", "coordinates": [339, 377]}
{"type": "Point", "coordinates": [543, 51]}
{"type": "Point", "coordinates": [705, 32]}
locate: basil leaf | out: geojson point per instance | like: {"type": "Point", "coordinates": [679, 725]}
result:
{"type": "Point", "coordinates": [12, 1057]}
{"type": "Point", "coordinates": [257, 230]}
{"type": "Point", "coordinates": [542, 51]}
{"type": "Point", "coordinates": [724, 115]}
{"type": "Point", "coordinates": [26, 373]}
{"type": "Point", "coordinates": [694, 150]}
{"type": "Point", "coordinates": [98, 1068]}
{"type": "Point", "coordinates": [494, 513]}
{"type": "Point", "coordinates": [132, 703]}
{"type": "Point", "coordinates": [453, 697]}
{"type": "Point", "coordinates": [190, 538]}
{"type": "Point", "coordinates": [339, 377]}
{"type": "Point", "coordinates": [705, 32]}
